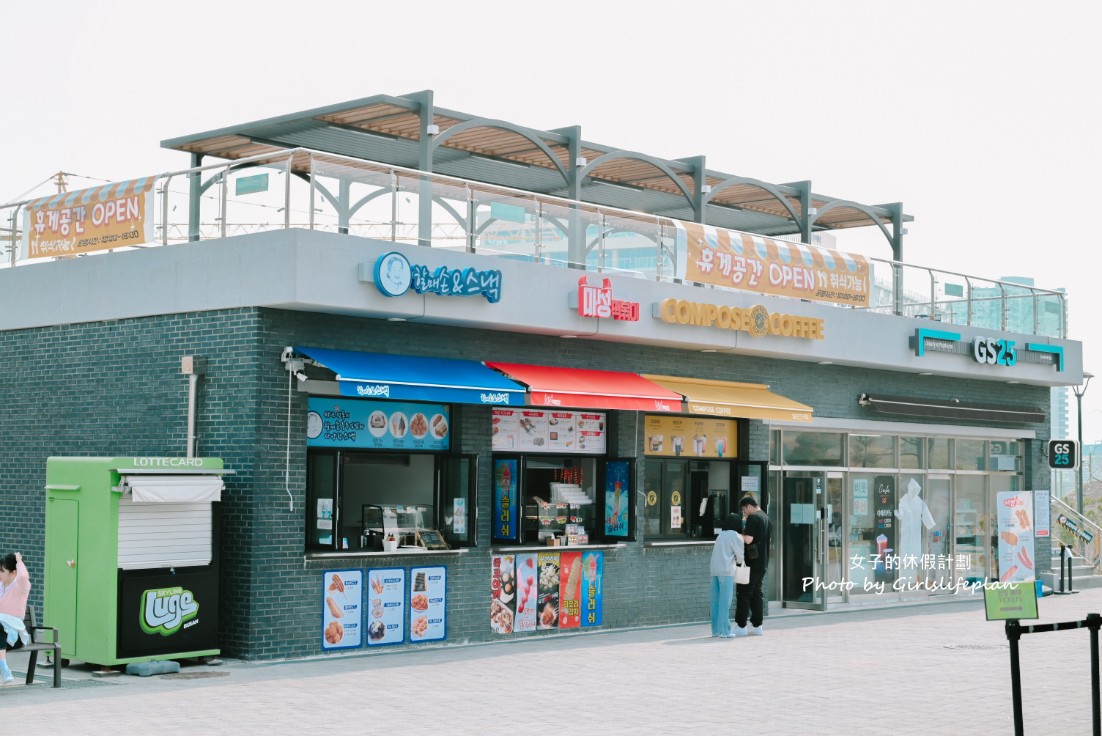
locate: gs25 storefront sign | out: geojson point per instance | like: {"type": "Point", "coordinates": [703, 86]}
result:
{"type": "Point", "coordinates": [994, 352]}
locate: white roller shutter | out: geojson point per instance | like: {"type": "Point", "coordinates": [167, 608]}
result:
{"type": "Point", "coordinates": [156, 534]}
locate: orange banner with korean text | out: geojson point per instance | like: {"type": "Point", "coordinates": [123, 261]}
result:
{"type": "Point", "coordinates": [710, 255]}
{"type": "Point", "coordinates": [101, 218]}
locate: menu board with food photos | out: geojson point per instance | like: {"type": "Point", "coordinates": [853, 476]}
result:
{"type": "Point", "coordinates": [546, 590]}
{"type": "Point", "coordinates": [536, 430]}
{"type": "Point", "coordinates": [342, 592]}
{"type": "Point", "coordinates": [427, 604]}
{"type": "Point", "coordinates": [376, 425]}
{"type": "Point", "coordinates": [386, 597]}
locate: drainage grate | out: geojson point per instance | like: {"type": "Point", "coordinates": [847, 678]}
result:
{"type": "Point", "coordinates": [194, 675]}
{"type": "Point", "coordinates": [979, 647]}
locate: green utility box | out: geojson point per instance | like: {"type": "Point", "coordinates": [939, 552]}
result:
{"type": "Point", "coordinates": [131, 570]}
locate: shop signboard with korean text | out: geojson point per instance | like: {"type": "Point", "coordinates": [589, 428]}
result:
{"type": "Point", "coordinates": [504, 526]}
{"type": "Point", "coordinates": [1014, 515]}
{"type": "Point", "coordinates": [710, 255]}
{"type": "Point", "coordinates": [342, 607]}
{"type": "Point", "coordinates": [428, 604]}
{"type": "Point", "coordinates": [89, 220]}
{"type": "Point", "coordinates": [675, 436]}
{"type": "Point", "coordinates": [386, 616]}
{"type": "Point", "coordinates": [377, 425]}
{"type": "Point", "coordinates": [617, 498]}
{"type": "Point", "coordinates": [561, 432]}
{"type": "Point", "coordinates": [546, 590]}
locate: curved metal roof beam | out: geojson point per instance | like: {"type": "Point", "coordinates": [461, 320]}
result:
{"type": "Point", "coordinates": [850, 205]}
{"type": "Point", "coordinates": [655, 162]}
{"type": "Point", "coordinates": [765, 186]}
{"type": "Point", "coordinates": [439, 139]}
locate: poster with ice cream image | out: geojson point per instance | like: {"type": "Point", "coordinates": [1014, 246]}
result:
{"type": "Point", "coordinates": [570, 591]}
{"type": "Point", "coordinates": [593, 570]}
{"type": "Point", "coordinates": [617, 498]}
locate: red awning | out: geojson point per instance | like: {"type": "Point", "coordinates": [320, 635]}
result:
{"type": "Point", "coordinates": [590, 389]}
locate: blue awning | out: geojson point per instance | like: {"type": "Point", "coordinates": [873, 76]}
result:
{"type": "Point", "coordinates": [412, 378]}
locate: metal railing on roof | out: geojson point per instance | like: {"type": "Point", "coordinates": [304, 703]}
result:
{"type": "Point", "coordinates": [300, 188]}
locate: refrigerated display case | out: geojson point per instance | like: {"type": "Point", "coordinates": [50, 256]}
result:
{"type": "Point", "coordinates": [404, 526]}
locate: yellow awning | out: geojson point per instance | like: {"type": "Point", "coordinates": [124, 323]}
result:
{"type": "Point", "coordinates": [730, 399]}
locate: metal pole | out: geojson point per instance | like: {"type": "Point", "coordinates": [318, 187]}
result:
{"type": "Point", "coordinates": [1013, 634]}
{"type": "Point", "coordinates": [1079, 417]}
{"type": "Point", "coordinates": [1079, 391]}
{"type": "Point", "coordinates": [1094, 620]}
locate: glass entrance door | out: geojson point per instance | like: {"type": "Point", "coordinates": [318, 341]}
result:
{"type": "Point", "coordinates": [803, 538]}
{"type": "Point", "coordinates": [938, 564]}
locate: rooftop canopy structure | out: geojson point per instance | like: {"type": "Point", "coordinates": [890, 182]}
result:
{"type": "Point", "coordinates": [411, 131]}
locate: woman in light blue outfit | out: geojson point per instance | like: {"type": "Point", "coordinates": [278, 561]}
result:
{"type": "Point", "coordinates": [728, 550]}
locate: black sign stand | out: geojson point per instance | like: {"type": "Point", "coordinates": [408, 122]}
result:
{"type": "Point", "coordinates": [1014, 631]}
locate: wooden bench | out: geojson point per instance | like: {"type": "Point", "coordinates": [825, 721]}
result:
{"type": "Point", "coordinates": [37, 645]}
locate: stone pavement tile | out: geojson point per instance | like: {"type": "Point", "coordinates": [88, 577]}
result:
{"type": "Point", "coordinates": [898, 671]}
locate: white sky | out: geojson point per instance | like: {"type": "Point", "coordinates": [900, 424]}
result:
{"type": "Point", "coordinates": [977, 116]}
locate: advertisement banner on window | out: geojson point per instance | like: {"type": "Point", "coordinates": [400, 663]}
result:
{"type": "Point", "coordinates": [89, 220]}
{"type": "Point", "coordinates": [617, 498]}
{"type": "Point", "coordinates": [667, 436]}
{"type": "Point", "coordinates": [386, 614]}
{"type": "Point", "coordinates": [1014, 515]}
{"type": "Point", "coordinates": [505, 510]}
{"type": "Point", "coordinates": [428, 604]}
{"type": "Point", "coordinates": [377, 425]}
{"type": "Point", "coordinates": [710, 255]}
{"type": "Point", "coordinates": [342, 593]}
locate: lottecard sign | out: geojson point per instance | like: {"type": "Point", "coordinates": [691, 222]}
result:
{"type": "Point", "coordinates": [597, 301]}
{"type": "Point", "coordinates": [89, 220]}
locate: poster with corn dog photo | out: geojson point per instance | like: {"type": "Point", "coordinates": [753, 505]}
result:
{"type": "Point", "coordinates": [1015, 523]}
{"type": "Point", "coordinates": [342, 601]}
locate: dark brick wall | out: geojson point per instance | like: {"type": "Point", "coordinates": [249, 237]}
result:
{"type": "Point", "coordinates": [115, 388]}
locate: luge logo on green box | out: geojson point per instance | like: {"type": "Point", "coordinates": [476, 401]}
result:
{"type": "Point", "coordinates": [165, 610]}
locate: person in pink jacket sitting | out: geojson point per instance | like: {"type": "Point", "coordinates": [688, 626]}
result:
{"type": "Point", "coordinates": [15, 588]}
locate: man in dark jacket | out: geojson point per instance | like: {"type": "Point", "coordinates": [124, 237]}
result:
{"type": "Point", "coordinates": [749, 602]}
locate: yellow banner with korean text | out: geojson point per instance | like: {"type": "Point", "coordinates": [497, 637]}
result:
{"type": "Point", "coordinates": [738, 260]}
{"type": "Point", "coordinates": [100, 218]}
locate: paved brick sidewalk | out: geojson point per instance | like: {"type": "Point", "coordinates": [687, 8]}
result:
{"type": "Point", "coordinates": [935, 669]}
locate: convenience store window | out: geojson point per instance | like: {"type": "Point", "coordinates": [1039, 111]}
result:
{"type": "Point", "coordinates": [687, 475]}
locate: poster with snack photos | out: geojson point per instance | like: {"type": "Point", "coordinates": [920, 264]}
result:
{"type": "Point", "coordinates": [342, 602]}
{"type": "Point", "coordinates": [547, 585]}
{"type": "Point", "coordinates": [427, 604]}
{"type": "Point", "coordinates": [570, 590]}
{"type": "Point", "coordinates": [527, 593]}
{"type": "Point", "coordinates": [386, 600]}
{"type": "Point", "coordinates": [1016, 548]}
{"type": "Point", "coordinates": [502, 593]}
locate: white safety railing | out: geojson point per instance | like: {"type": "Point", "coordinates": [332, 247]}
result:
{"type": "Point", "coordinates": [299, 188]}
